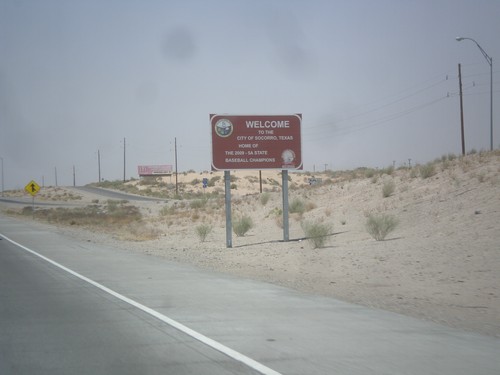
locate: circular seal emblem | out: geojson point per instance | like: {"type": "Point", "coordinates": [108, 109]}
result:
{"type": "Point", "coordinates": [288, 156]}
{"type": "Point", "coordinates": [223, 128]}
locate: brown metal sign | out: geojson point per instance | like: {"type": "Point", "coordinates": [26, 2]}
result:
{"type": "Point", "coordinates": [256, 142]}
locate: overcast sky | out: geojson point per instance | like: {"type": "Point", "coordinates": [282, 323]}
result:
{"type": "Point", "coordinates": [375, 81]}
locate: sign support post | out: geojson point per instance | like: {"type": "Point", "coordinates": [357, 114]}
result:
{"type": "Point", "coordinates": [32, 188]}
{"type": "Point", "coordinates": [229, 225]}
{"type": "Point", "coordinates": [284, 188]}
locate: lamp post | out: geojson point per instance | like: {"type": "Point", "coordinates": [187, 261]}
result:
{"type": "Point", "coordinates": [490, 62]}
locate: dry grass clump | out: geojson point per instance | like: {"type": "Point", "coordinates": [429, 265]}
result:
{"type": "Point", "coordinates": [388, 188]}
{"type": "Point", "coordinates": [427, 170]}
{"type": "Point", "coordinates": [118, 217]}
{"type": "Point", "coordinates": [299, 206]}
{"type": "Point", "coordinates": [203, 230]}
{"type": "Point", "coordinates": [316, 232]}
{"type": "Point", "coordinates": [95, 215]}
{"type": "Point", "coordinates": [242, 225]}
{"type": "Point", "coordinates": [379, 226]}
{"type": "Point", "coordinates": [264, 198]}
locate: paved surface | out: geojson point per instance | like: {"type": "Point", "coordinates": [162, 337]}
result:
{"type": "Point", "coordinates": [287, 331]}
{"type": "Point", "coordinates": [53, 323]}
{"type": "Point", "coordinates": [113, 194]}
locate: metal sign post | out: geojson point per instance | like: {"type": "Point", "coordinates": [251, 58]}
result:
{"type": "Point", "coordinates": [284, 184]}
{"type": "Point", "coordinates": [32, 188]}
{"type": "Point", "coordinates": [229, 225]}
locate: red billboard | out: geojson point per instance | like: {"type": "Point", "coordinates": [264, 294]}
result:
{"type": "Point", "coordinates": [256, 142]}
{"type": "Point", "coordinates": [154, 170]}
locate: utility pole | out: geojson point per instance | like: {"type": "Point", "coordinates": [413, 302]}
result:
{"type": "Point", "coordinates": [461, 109]}
{"type": "Point", "coordinates": [55, 173]}
{"type": "Point", "coordinates": [2, 176]}
{"type": "Point", "coordinates": [175, 150]}
{"type": "Point", "coordinates": [260, 180]}
{"type": "Point", "coordinates": [99, 164]}
{"type": "Point", "coordinates": [74, 176]}
{"type": "Point", "coordinates": [124, 148]}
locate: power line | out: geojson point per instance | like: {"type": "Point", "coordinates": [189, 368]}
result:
{"type": "Point", "coordinates": [398, 100]}
{"type": "Point", "coordinates": [372, 123]}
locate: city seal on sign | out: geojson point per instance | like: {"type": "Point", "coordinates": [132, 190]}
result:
{"type": "Point", "coordinates": [223, 128]}
{"type": "Point", "coordinates": [288, 156]}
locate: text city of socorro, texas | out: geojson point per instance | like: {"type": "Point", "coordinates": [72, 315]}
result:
{"type": "Point", "coordinates": [266, 135]}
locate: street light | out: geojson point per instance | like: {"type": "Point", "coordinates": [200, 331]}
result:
{"type": "Point", "coordinates": [490, 61]}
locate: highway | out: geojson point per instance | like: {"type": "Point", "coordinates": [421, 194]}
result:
{"type": "Point", "coordinates": [76, 307]}
{"type": "Point", "coordinates": [113, 194]}
{"type": "Point", "coordinates": [54, 323]}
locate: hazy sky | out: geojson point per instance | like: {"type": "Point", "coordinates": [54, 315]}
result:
{"type": "Point", "coordinates": [376, 81]}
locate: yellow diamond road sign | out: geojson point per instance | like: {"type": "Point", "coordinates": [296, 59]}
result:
{"type": "Point", "coordinates": [33, 188]}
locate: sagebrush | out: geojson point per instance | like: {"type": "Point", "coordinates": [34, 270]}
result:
{"type": "Point", "coordinates": [379, 226]}
{"type": "Point", "coordinates": [388, 188]}
{"type": "Point", "coordinates": [316, 232]}
{"type": "Point", "coordinates": [203, 230]}
{"type": "Point", "coordinates": [242, 225]}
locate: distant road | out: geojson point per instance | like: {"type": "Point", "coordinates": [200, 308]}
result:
{"type": "Point", "coordinates": [110, 194]}
{"type": "Point", "coordinates": [28, 202]}
{"type": "Point", "coordinates": [116, 194]}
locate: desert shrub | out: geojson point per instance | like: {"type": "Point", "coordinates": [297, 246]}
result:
{"type": "Point", "coordinates": [414, 172]}
{"type": "Point", "coordinates": [370, 172]}
{"type": "Point", "coordinates": [297, 206]}
{"type": "Point", "coordinates": [242, 225]}
{"type": "Point", "coordinates": [203, 230]}
{"type": "Point", "coordinates": [388, 171]}
{"type": "Point", "coordinates": [198, 203]}
{"type": "Point", "coordinates": [213, 180]}
{"type": "Point", "coordinates": [167, 210]}
{"type": "Point", "coordinates": [148, 180]}
{"type": "Point", "coordinates": [427, 170]}
{"type": "Point", "coordinates": [388, 188]}
{"type": "Point", "coordinates": [379, 226]}
{"type": "Point", "coordinates": [316, 233]}
{"type": "Point", "coordinates": [234, 187]}
{"type": "Point", "coordinates": [264, 198]}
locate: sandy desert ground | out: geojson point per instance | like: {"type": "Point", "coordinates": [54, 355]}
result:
{"type": "Point", "coordinates": [441, 263]}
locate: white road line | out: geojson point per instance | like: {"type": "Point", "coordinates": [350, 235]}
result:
{"type": "Point", "coordinates": [198, 336]}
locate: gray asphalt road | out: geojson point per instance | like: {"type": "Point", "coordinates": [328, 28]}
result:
{"type": "Point", "coordinates": [115, 194]}
{"type": "Point", "coordinates": [54, 323]}
{"type": "Point", "coordinates": [289, 332]}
